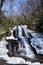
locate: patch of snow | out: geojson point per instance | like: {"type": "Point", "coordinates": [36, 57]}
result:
{"type": "Point", "coordinates": [15, 60]}
{"type": "Point", "coordinates": [11, 37]}
{"type": "Point", "coordinates": [3, 49]}
{"type": "Point", "coordinates": [14, 28]}
{"type": "Point", "coordinates": [35, 63]}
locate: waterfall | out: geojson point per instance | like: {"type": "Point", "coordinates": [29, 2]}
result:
{"type": "Point", "coordinates": [27, 48]}
{"type": "Point", "coordinates": [25, 39]}
{"type": "Point", "coordinates": [19, 31]}
{"type": "Point", "coordinates": [21, 41]}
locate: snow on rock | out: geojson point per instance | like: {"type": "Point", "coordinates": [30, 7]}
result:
{"type": "Point", "coordinates": [14, 28]}
{"type": "Point", "coordinates": [15, 60]}
{"type": "Point", "coordinates": [11, 37]}
{"type": "Point", "coordinates": [35, 63]}
{"type": "Point", "coordinates": [19, 60]}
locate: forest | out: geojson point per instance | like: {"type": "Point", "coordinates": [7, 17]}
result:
{"type": "Point", "coordinates": [17, 12]}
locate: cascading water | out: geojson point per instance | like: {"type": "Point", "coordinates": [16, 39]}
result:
{"type": "Point", "coordinates": [36, 41]}
{"type": "Point", "coordinates": [24, 41]}
{"type": "Point", "coordinates": [4, 50]}
{"type": "Point", "coordinates": [27, 48]}
{"type": "Point", "coordinates": [3, 54]}
{"type": "Point", "coordinates": [19, 31]}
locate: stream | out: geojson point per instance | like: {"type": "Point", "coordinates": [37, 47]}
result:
{"type": "Point", "coordinates": [22, 41]}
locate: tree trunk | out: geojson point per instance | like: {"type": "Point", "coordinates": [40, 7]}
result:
{"type": "Point", "coordinates": [42, 2]}
{"type": "Point", "coordinates": [1, 4]}
{"type": "Point", "coordinates": [0, 10]}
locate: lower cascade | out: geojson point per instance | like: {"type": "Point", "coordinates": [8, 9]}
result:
{"type": "Point", "coordinates": [21, 41]}
{"type": "Point", "coordinates": [3, 54]}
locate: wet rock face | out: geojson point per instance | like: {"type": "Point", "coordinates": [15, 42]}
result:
{"type": "Point", "coordinates": [15, 32]}
{"type": "Point", "coordinates": [23, 33]}
{"type": "Point", "coordinates": [12, 45]}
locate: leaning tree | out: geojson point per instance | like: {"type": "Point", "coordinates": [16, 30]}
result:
{"type": "Point", "coordinates": [1, 4]}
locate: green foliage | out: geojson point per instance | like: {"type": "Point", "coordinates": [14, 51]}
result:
{"type": "Point", "coordinates": [19, 20]}
{"type": "Point", "coordinates": [5, 23]}
{"type": "Point", "coordinates": [37, 20]}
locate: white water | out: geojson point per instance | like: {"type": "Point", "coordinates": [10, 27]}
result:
{"type": "Point", "coordinates": [11, 37]}
{"type": "Point", "coordinates": [27, 49]}
{"type": "Point", "coordinates": [33, 33]}
{"type": "Point", "coordinates": [3, 54]}
{"type": "Point", "coordinates": [29, 52]}
{"type": "Point", "coordinates": [13, 60]}
{"type": "Point", "coordinates": [20, 31]}
{"type": "Point", "coordinates": [16, 60]}
{"type": "Point", "coordinates": [37, 40]}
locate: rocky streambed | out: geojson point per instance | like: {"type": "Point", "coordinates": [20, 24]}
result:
{"type": "Point", "coordinates": [24, 46]}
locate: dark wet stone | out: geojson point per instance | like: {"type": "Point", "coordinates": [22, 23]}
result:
{"type": "Point", "coordinates": [15, 32]}
{"type": "Point", "coordinates": [17, 64]}
{"type": "Point", "coordinates": [2, 61]}
{"type": "Point", "coordinates": [12, 44]}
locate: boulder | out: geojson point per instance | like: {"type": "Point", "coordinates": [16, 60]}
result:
{"type": "Point", "coordinates": [12, 44]}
